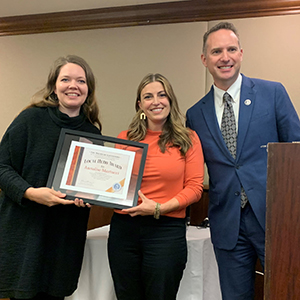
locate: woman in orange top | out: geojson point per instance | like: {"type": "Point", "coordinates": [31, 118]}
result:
{"type": "Point", "coordinates": [147, 244]}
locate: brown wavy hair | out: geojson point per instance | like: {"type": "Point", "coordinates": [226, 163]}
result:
{"type": "Point", "coordinates": [47, 97]}
{"type": "Point", "coordinates": [174, 133]}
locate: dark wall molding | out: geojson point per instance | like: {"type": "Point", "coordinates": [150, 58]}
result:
{"type": "Point", "coordinates": [148, 14]}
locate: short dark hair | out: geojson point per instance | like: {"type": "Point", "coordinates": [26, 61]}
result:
{"type": "Point", "coordinates": [221, 25]}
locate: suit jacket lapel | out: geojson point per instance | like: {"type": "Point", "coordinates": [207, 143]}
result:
{"type": "Point", "coordinates": [247, 101]}
{"type": "Point", "coordinates": [209, 115]}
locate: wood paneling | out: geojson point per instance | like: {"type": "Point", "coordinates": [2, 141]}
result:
{"type": "Point", "coordinates": [147, 14]}
{"type": "Point", "coordinates": [99, 216]}
{"type": "Point", "coordinates": [199, 210]}
{"type": "Point", "coordinates": [282, 265]}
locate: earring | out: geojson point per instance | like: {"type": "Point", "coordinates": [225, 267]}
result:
{"type": "Point", "coordinates": [142, 116]}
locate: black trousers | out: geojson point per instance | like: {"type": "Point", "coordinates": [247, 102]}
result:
{"type": "Point", "coordinates": [147, 256]}
{"type": "Point", "coordinates": [41, 296]}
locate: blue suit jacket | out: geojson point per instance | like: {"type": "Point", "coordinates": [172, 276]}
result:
{"type": "Point", "coordinates": [270, 117]}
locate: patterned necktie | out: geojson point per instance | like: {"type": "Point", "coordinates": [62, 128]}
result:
{"type": "Point", "coordinates": [228, 126]}
{"type": "Point", "coordinates": [244, 198]}
{"type": "Point", "coordinates": [228, 129]}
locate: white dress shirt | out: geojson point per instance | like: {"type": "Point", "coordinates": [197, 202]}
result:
{"type": "Point", "coordinates": [234, 91]}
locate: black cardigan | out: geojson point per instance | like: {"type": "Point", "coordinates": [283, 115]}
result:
{"type": "Point", "coordinates": [41, 248]}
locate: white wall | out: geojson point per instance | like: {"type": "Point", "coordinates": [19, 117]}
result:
{"type": "Point", "coordinates": [121, 57]}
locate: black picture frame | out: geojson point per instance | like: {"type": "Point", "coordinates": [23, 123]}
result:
{"type": "Point", "coordinates": [98, 169]}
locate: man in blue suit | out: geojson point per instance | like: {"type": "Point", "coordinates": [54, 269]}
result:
{"type": "Point", "coordinates": [263, 113]}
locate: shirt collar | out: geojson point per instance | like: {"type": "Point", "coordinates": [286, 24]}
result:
{"type": "Point", "coordinates": [233, 91]}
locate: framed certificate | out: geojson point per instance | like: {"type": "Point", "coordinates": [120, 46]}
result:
{"type": "Point", "coordinates": [98, 169]}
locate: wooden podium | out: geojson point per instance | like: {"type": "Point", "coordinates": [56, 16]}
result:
{"type": "Point", "coordinates": [282, 264]}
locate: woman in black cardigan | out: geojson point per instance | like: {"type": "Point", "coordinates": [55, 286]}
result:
{"type": "Point", "coordinates": [42, 235]}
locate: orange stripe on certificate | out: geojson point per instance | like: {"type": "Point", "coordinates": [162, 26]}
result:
{"type": "Point", "coordinates": [73, 165]}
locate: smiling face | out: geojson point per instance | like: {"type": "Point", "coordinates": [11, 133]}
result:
{"type": "Point", "coordinates": [71, 89]}
{"type": "Point", "coordinates": [155, 104]}
{"type": "Point", "coordinates": [223, 57]}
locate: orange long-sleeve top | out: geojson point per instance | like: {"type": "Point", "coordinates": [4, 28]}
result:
{"type": "Point", "coordinates": [168, 175]}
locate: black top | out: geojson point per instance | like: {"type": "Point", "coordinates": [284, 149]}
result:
{"type": "Point", "coordinates": [41, 248]}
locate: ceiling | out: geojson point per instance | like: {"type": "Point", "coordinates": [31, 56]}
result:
{"type": "Point", "coordinates": [17, 7]}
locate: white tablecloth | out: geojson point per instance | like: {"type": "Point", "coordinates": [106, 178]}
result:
{"type": "Point", "coordinates": [200, 279]}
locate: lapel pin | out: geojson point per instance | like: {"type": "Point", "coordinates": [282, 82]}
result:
{"type": "Point", "coordinates": [247, 102]}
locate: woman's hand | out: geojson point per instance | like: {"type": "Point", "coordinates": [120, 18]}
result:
{"type": "Point", "coordinates": [46, 196]}
{"type": "Point", "coordinates": [146, 208]}
{"type": "Point", "coordinates": [81, 203]}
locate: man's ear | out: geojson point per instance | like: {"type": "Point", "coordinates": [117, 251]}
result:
{"type": "Point", "coordinates": [203, 59]}
{"type": "Point", "coordinates": [242, 53]}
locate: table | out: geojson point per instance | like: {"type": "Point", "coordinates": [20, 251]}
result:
{"type": "Point", "coordinates": [200, 279]}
